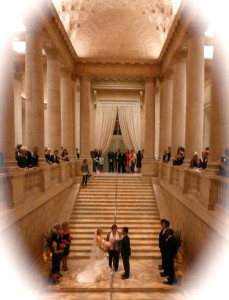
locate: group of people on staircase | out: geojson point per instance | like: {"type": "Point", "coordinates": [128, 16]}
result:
{"type": "Point", "coordinates": [99, 267]}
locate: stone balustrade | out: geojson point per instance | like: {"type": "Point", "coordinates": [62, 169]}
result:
{"type": "Point", "coordinates": [18, 184]}
{"type": "Point", "coordinates": [208, 189]}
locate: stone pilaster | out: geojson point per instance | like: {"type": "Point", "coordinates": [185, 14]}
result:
{"type": "Point", "coordinates": [18, 107]}
{"type": "Point", "coordinates": [7, 123]}
{"type": "Point", "coordinates": [179, 102]}
{"type": "Point", "coordinates": [67, 112]}
{"type": "Point", "coordinates": [85, 118]}
{"type": "Point", "coordinates": [34, 104]}
{"type": "Point", "coordinates": [53, 126]}
{"type": "Point", "coordinates": [219, 121]}
{"type": "Point", "coordinates": [195, 95]}
{"type": "Point", "coordinates": [165, 112]}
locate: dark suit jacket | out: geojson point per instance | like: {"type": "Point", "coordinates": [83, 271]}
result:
{"type": "Point", "coordinates": [34, 158]}
{"type": "Point", "coordinates": [125, 246]}
{"type": "Point", "coordinates": [23, 161]}
{"type": "Point", "coordinates": [54, 159]}
{"type": "Point", "coordinates": [110, 156]}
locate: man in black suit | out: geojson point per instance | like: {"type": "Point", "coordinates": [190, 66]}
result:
{"type": "Point", "coordinates": [34, 157]}
{"type": "Point", "coordinates": [23, 158]}
{"type": "Point", "coordinates": [170, 253]}
{"type": "Point", "coordinates": [55, 158]}
{"type": "Point", "coordinates": [125, 253]}
{"type": "Point", "coordinates": [111, 161]}
{"type": "Point", "coordinates": [165, 227]}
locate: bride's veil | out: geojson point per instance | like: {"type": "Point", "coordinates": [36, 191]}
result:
{"type": "Point", "coordinates": [89, 274]}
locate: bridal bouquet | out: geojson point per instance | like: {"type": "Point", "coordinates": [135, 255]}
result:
{"type": "Point", "coordinates": [106, 245]}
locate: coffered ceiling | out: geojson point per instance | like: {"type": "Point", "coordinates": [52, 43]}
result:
{"type": "Point", "coordinates": [114, 30]}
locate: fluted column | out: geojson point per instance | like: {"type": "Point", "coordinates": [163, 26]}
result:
{"type": "Point", "coordinates": [7, 124]}
{"type": "Point", "coordinates": [18, 107]}
{"type": "Point", "coordinates": [195, 95]}
{"type": "Point", "coordinates": [149, 118]}
{"type": "Point", "coordinates": [34, 105]}
{"type": "Point", "coordinates": [85, 116]}
{"type": "Point", "coordinates": [166, 111]}
{"type": "Point", "coordinates": [53, 126]}
{"type": "Point", "coordinates": [179, 102]}
{"type": "Point", "coordinates": [219, 121]}
{"type": "Point", "coordinates": [67, 112]}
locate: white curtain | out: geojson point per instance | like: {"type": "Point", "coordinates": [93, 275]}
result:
{"type": "Point", "coordinates": [129, 119]}
{"type": "Point", "coordinates": [104, 126]}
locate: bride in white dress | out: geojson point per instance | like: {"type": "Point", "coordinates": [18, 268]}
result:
{"type": "Point", "coordinates": [97, 268]}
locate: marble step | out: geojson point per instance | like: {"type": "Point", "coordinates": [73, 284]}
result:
{"type": "Point", "coordinates": [90, 235]}
{"type": "Point", "coordinates": [132, 226]}
{"type": "Point", "coordinates": [84, 222]}
{"type": "Point", "coordinates": [84, 255]}
{"type": "Point", "coordinates": [134, 248]}
{"type": "Point", "coordinates": [136, 242]}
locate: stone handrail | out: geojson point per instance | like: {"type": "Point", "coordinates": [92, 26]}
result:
{"type": "Point", "coordinates": [5, 190]}
{"type": "Point", "coordinates": [16, 184]}
{"type": "Point", "coordinates": [220, 191]}
{"type": "Point", "coordinates": [207, 188]}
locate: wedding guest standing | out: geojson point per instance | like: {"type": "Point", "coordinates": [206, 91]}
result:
{"type": "Point", "coordinates": [125, 253]}
{"type": "Point", "coordinates": [66, 239]}
{"type": "Point", "coordinates": [56, 253]}
{"type": "Point", "coordinates": [84, 172]}
{"type": "Point", "coordinates": [170, 253]}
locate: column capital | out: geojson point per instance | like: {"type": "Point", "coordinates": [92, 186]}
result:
{"type": "Point", "coordinates": [197, 29]}
{"type": "Point", "coordinates": [180, 55]}
{"type": "Point", "coordinates": [167, 74]}
{"type": "Point", "coordinates": [51, 52]}
{"type": "Point", "coordinates": [151, 79]}
{"type": "Point", "coordinates": [66, 72]}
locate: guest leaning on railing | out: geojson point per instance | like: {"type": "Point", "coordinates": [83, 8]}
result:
{"type": "Point", "coordinates": [224, 164]}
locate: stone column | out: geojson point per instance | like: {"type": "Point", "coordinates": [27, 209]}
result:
{"type": "Point", "coordinates": [77, 116]}
{"type": "Point", "coordinates": [67, 112]}
{"type": "Point", "coordinates": [34, 105]}
{"type": "Point", "coordinates": [149, 166]}
{"type": "Point", "coordinates": [73, 144]}
{"type": "Point", "coordinates": [166, 112]}
{"type": "Point", "coordinates": [85, 118]}
{"type": "Point", "coordinates": [18, 107]}
{"type": "Point", "coordinates": [219, 121]}
{"type": "Point", "coordinates": [195, 95]}
{"type": "Point", "coordinates": [7, 123]}
{"type": "Point", "coordinates": [53, 126]}
{"type": "Point", "coordinates": [179, 102]}
{"type": "Point", "coordinates": [149, 118]}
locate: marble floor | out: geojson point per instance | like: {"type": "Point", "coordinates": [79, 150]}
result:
{"type": "Point", "coordinates": [144, 283]}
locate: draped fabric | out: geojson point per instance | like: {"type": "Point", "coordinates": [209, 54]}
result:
{"type": "Point", "coordinates": [104, 126]}
{"type": "Point", "coordinates": [129, 119]}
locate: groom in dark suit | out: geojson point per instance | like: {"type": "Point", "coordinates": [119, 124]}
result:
{"type": "Point", "coordinates": [125, 253]}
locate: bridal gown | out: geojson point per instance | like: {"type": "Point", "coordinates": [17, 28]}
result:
{"type": "Point", "coordinates": [97, 268]}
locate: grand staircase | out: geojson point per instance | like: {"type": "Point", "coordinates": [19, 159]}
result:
{"type": "Point", "coordinates": [124, 200]}
{"type": "Point", "coordinates": [127, 200]}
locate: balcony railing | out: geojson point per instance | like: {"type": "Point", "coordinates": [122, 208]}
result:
{"type": "Point", "coordinates": [16, 184]}
{"type": "Point", "coordinates": [208, 189]}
